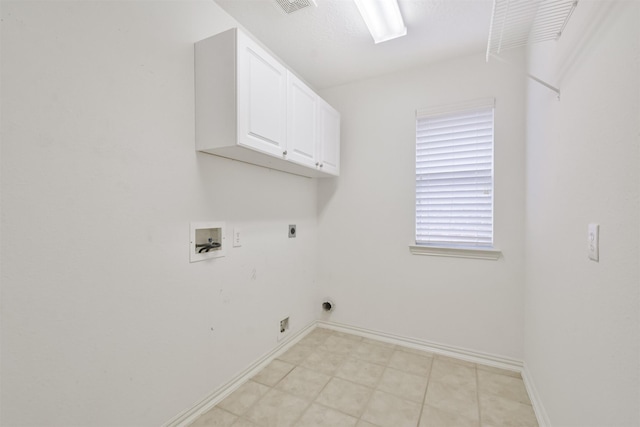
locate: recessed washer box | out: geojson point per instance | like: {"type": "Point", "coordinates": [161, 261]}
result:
{"type": "Point", "coordinates": [208, 240]}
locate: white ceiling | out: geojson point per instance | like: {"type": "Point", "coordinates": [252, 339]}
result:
{"type": "Point", "coordinates": [330, 45]}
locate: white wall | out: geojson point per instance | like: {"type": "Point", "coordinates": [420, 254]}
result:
{"type": "Point", "coordinates": [104, 320]}
{"type": "Point", "coordinates": [366, 217]}
{"type": "Point", "coordinates": [582, 327]}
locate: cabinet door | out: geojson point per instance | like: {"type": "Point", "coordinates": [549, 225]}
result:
{"type": "Point", "coordinates": [329, 138]}
{"type": "Point", "coordinates": [262, 99]}
{"type": "Point", "coordinates": [302, 123]}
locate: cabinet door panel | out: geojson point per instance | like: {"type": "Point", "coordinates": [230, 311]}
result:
{"type": "Point", "coordinates": [262, 102]}
{"type": "Point", "coordinates": [329, 134]}
{"type": "Point", "coordinates": [302, 122]}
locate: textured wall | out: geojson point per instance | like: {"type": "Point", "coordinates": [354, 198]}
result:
{"type": "Point", "coordinates": [367, 217]}
{"type": "Point", "coordinates": [104, 320]}
{"type": "Point", "coordinates": [582, 332]}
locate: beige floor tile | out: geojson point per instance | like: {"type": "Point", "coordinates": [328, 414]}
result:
{"type": "Point", "coordinates": [303, 383]}
{"type": "Point", "coordinates": [347, 336]}
{"type": "Point", "coordinates": [340, 345]}
{"type": "Point", "coordinates": [296, 354]}
{"type": "Point", "coordinates": [215, 418]}
{"type": "Point", "coordinates": [434, 417]}
{"type": "Point", "coordinates": [277, 409]}
{"type": "Point", "coordinates": [273, 373]}
{"type": "Point", "coordinates": [246, 395]}
{"type": "Point", "coordinates": [490, 383]}
{"type": "Point", "coordinates": [453, 373]}
{"type": "Point", "coordinates": [244, 423]}
{"type": "Point", "coordinates": [383, 384]}
{"type": "Point", "coordinates": [345, 396]}
{"type": "Point", "coordinates": [499, 412]}
{"type": "Point", "coordinates": [320, 416]}
{"type": "Point", "coordinates": [315, 338]}
{"type": "Point", "coordinates": [453, 397]}
{"type": "Point", "coordinates": [514, 374]}
{"type": "Point", "coordinates": [454, 360]}
{"type": "Point", "coordinates": [407, 386]}
{"type": "Point", "coordinates": [380, 343]}
{"type": "Point", "coordinates": [415, 351]}
{"type": "Point", "coordinates": [324, 361]}
{"type": "Point", "coordinates": [373, 353]}
{"type": "Point", "coordinates": [411, 363]}
{"type": "Point", "coordinates": [361, 372]}
{"type": "Point", "coordinates": [387, 410]}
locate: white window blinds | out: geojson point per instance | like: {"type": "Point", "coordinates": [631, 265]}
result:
{"type": "Point", "coordinates": [454, 176]}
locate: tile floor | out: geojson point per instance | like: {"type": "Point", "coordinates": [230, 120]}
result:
{"type": "Point", "coordinates": [334, 379]}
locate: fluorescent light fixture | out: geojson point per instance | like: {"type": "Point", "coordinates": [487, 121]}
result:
{"type": "Point", "coordinates": [383, 19]}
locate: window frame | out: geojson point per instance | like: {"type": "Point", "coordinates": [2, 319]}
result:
{"type": "Point", "coordinates": [454, 250]}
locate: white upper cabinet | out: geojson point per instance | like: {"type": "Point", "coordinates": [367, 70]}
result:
{"type": "Point", "coordinates": [302, 122]}
{"type": "Point", "coordinates": [250, 107]}
{"type": "Point", "coordinates": [328, 146]}
{"type": "Point", "coordinates": [262, 99]}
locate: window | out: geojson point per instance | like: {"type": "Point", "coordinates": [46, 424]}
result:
{"type": "Point", "coordinates": [454, 176]}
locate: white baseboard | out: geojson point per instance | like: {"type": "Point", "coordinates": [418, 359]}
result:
{"type": "Point", "coordinates": [190, 415]}
{"type": "Point", "coordinates": [536, 402]}
{"type": "Point", "coordinates": [433, 347]}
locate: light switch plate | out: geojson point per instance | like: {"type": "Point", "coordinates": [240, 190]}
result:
{"type": "Point", "coordinates": [593, 241]}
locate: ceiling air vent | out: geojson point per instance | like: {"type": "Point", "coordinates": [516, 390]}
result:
{"type": "Point", "coordinates": [290, 6]}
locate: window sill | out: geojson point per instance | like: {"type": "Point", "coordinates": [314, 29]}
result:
{"type": "Point", "coordinates": [490, 254]}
